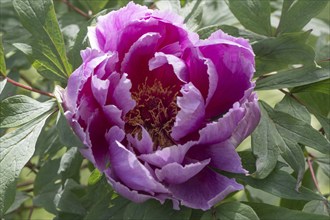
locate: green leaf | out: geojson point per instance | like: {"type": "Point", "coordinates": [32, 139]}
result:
{"type": "Point", "coordinates": [253, 15]}
{"type": "Point", "coordinates": [290, 106]}
{"type": "Point", "coordinates": [317, 103]}
{"type": "Point", "coordinates": [277, 53]}
{"type": "Point", "coordinates": [231, 211]}
{"type": "Point", "coordinates": [2, 84]}
{"type": "Point", "coordinates": [2, 61]}
{"type": "Point", "coordinates": [317, 207]}
{"type": "Point", "coordinates": [265, 142]}
{"type": "Point", "coordinates": [70, 164]}
{"type": "Point", "coordinates": [18, 110]}
{"type": "Point", "coordinates": [296, 14]}
{"type": "Point", "coordinates": [95, 177]}
{"type": "Point", "coordinates": [39, 18]}
{"type": "Point", "coordinates": [67, 201]}
{"type": "Point", "coordinates": [297, 130]}
{"type": "Point", "coordinates": [319, 87]}
{"type": "Point", "coordinates": [20, 198]}
{"type": "Point", "coordinates": [272, 137]}
{"type": "Point", "coordinates": [267, 212]}
{"type": "Point", "coordinates": [281, 184]}
{"type": "Point", "coordinates": [324, 163]}
{"type": "Point", "coordinates": [205, 32]}
{"type": "Point", "coordinates": [192, 12]}
{"type": "Point", "coordinates": [16, 149]}
{"type": "Point", "coordinates": [94, 6]}
{"type": "Point", "coordinates": [293, 77]}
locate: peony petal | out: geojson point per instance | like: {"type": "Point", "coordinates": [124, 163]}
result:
{"type": "Point", "coordinates": [131, 172]}
{"type": "Point", "coordinates": [192, 111]}
{"type": "Point", "coordinates": [235, 66]}
{"type": "Point", "coordinates": [119, 92]}
{"type": "Point", "coordinates": [102, 39]}
{"type": "Point", "coordinates": [135, 62]}
{"type": "Point", "coordinates": [173, 154]}
{"type": "Point", "coordinates": [250, 120]}
{"type": "Point", "coordinates": [100, 89]}
{"type": "Point", "coordinates": [223, 156]}
{"type": "Point", "coordinates": [178, 65]}
{"type": "Point", "coordinates": [145, 145]}
{"type": "Point", "coordinates": [113, 115]}
{"type": "Point", "coordinates": [222, 129]}
{"type": "Point", "coordinates": [204, 190]}
{"type": "Point", "coordinates": [175, 173]}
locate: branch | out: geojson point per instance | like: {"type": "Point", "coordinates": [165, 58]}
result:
{"type": "Point", "coordinates": [29, 88]}
{"type": "Point", "coordinates": [79, 11]}
{"type": "Point", "coordinates": [309, 162]}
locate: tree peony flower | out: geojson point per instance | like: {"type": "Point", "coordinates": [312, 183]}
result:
{"type": "Point", "coordinates": [158, 109]}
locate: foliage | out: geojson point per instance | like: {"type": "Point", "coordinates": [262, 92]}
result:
{"type": "Point", "coordinates": [43, 174]}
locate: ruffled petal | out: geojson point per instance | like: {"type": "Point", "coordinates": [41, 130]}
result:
{"type": "Point", "coordinates": [223, 156]}
{"type": "Point", "coordinates": [102, 39]}
{"type": "Point", "coordinates": [145, 145]}
{"type": "Point", "coordinates": [204, 190]}
{"type": "Point", "coordinates": [131, 172]}
{"type": "Point", "coordinates": [175, 173]}
{"type": "Point", "coordinates": [173, 154]}
{"type": "Point", "coordinates": [178, 65]}
{"type": "Point", "coordinates": [135, 62]}
{"type": "Point", "coordinates": [191, 114]}
{"type": "Point", "coordinates": [234, 63]}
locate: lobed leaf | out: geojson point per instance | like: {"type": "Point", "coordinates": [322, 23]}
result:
{"type": "Point", "coordinates": [231, 211]}
{"type": "Point", "coordinates": [253, 15]}
{"type": "Point", "coordinates": [266, 212]}
{"type": "Point", "coordinates": [18, 110]}
{"type": "Point", "coordinates": [48, 50]}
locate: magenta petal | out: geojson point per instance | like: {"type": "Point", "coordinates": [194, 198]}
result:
{"type": "Point", "coordinates": [250, 120]}
{"type": "Point", "coordinates": [178, 65]}
{"type": "Point", "coordinates": [173, 154]}
{"type": "Point", "coordinates": [113, 115]}
{"type": "Point", "coordinates": [101, 38]}
{"type": "Point", "coordinates": [119, 92]}
{"type": "Point", "coordinates": [145, 145]}
{"type": "Point", "coordinates": [123, 190]}
{"type": "Point", "coordinates": [175, 173]}
{"type": "Point", "coordinates": [131, 172]}
{"type": "Point", "coordinates": [221, 130]}
{"type": "Point", "coordinates": [191, 114]}
{"type": "Point", "coordinates": [204, 190]}
{"type": "Point", "coordinates": [223, 156]}
{"type": "Point", "coordinates": [100, 89]}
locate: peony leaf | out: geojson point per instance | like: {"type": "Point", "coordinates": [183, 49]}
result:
{"type": "Point", "coordinates": [231, 211]}
{"type": "Point", "coordinates": [293, 77]}
{"type": "Point", "coordinates": [320, 87]}
{"type": "Point", "coordinates": [266, 212]}
{"type": "Point", "coordinates": [253, 15]}
{"type": "Point", "coordinates": [2, 62]}
{"type": "Point", "coordinates": [281, 184]}
{"type": "Point", "coordinates": [18, 110]}
{"type": "Point", "coordinates": [296, 14]}
{"type": "Point", "coordinates": [317, 207]}
{"type": "Point", "coordinates": [273, 54]}
{"type": "Point", "coordinates": [16, 149]}
{"type": "Point", "coordinates": [48, 50]}
{"type": "Point", "coordinates": [70, 164]}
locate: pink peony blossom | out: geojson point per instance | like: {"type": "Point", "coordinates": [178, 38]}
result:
{"type": "Point", "coordinates": [157, 108]}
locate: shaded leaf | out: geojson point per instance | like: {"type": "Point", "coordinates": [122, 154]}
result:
{"type": "Point", "coordinates": [267, 212]}
{"type": "Point", "coordinates": [324, 163]}
{"type": "Point", "coordinates": [16, 149]}
{"type": "Point", "coordinates": [296, 14]}
{"type": "Point", "coordinates": [281, 184]}
{"type": "Point", "coordinates": [292, 107]}
{"type": "Point", "coordinates": [278, 53]}
{"type": "Point", "coordinates": [253, 15]}
{"type": "Point", "coordinates": [70, 164]}
{"type": "Point", "coordinates": [2, 62]}
{"type": "Point", "coordinates": [265, 142]}
{"type": "Point", "coordinates": [293, 77]}
{"type": "Point", "coordinates": [319, 87]}
{"type": "Point", "coordinates": [317, 207]}
{"type": "Point", "coordinates": [231, 211]}
{"type": "Point", "coordinates": [18, 110]}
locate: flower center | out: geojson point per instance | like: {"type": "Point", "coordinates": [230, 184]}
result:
{"type": "Point", "coordinates": [155, 110]}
